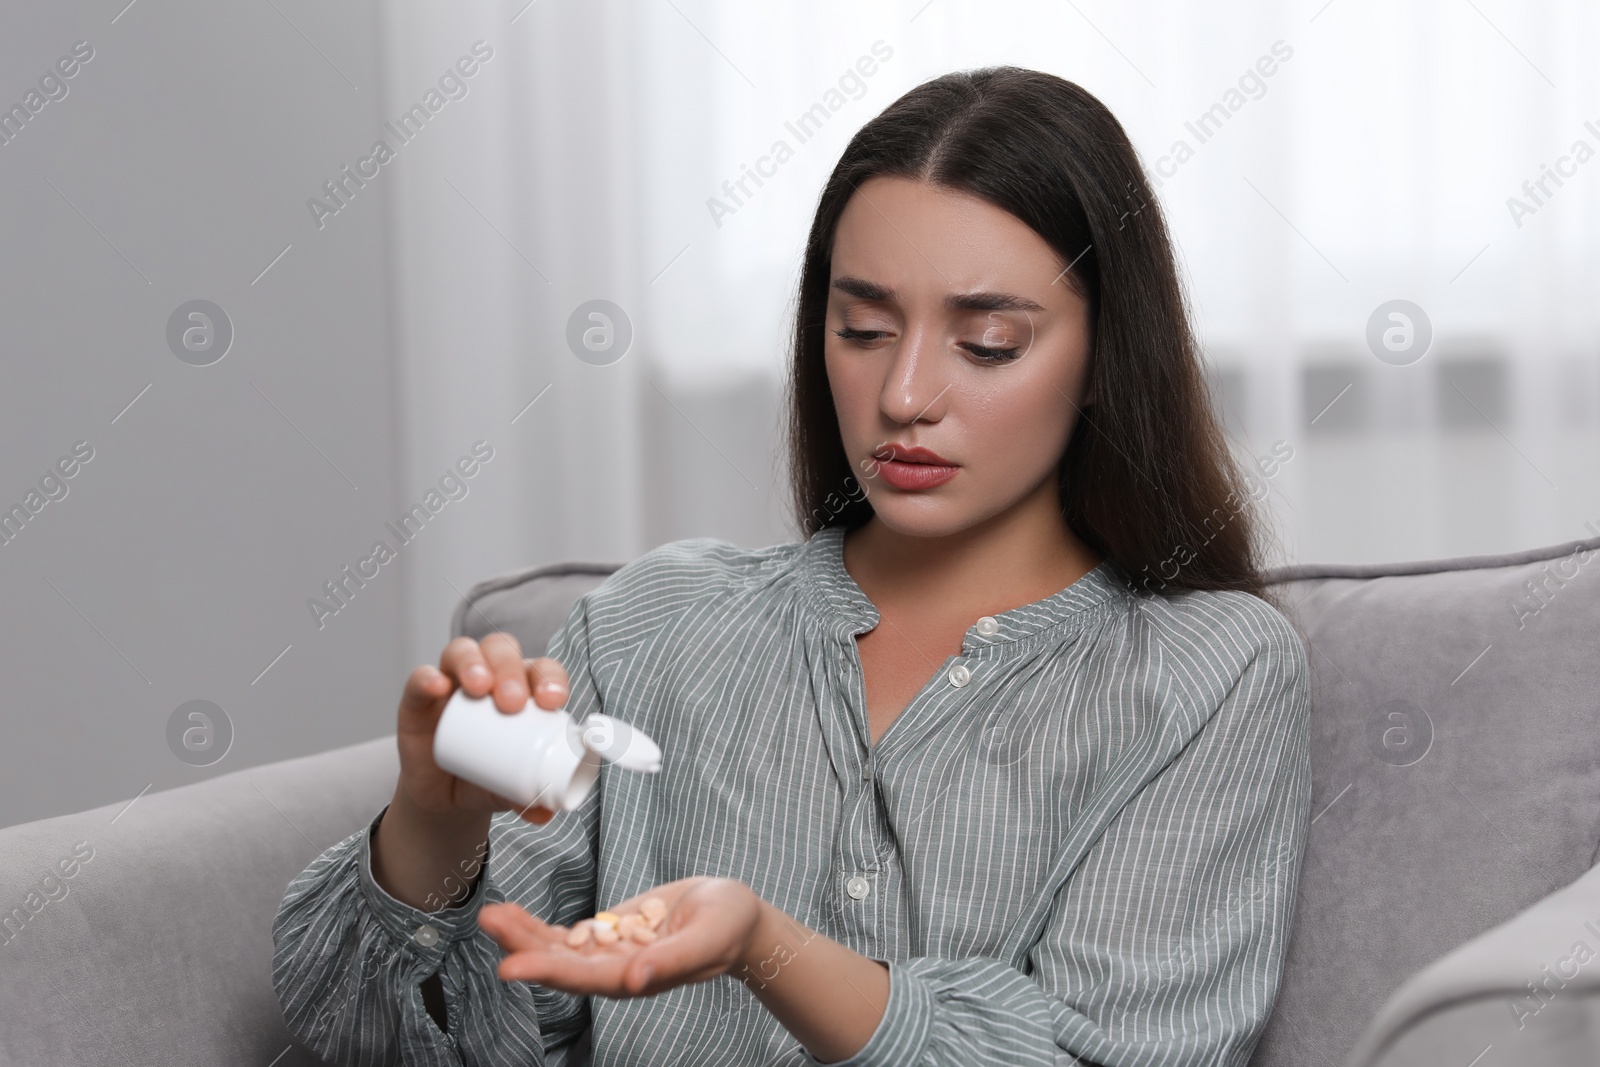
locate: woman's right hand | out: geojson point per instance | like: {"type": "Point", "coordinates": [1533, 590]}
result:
{"type": "Point", "coordinates": [496, 665]}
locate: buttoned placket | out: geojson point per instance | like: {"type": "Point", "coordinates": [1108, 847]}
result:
{"type": "Point", "coordinates": [863, 871]}
{"type": "Point", "coordinates": [865, 878]}
{"type": "Point", "coordinates": [857, 862]}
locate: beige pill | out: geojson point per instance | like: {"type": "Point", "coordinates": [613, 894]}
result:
{"type": "Point", "coordinates": [654, 909]}
{"type": "Point", "coordinates": [643, 934]}
{"type": "Point", "coordinates": [605, 934]}
{"type": "Point", "coordinates": [580, 934]}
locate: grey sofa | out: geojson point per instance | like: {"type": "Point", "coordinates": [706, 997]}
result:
{"type": "Point", "coordinates": [1448, 913]}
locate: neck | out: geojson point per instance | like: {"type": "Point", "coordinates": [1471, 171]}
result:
{"type": "Point", "coordinates": [1020, 555]}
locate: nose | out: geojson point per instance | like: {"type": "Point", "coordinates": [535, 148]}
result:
{"type": "Point", "coordinates": [915, 384]}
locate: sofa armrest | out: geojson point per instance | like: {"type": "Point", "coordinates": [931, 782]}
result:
{"type": "Point", "coordinates": [1527, 991]}
{"type": "Point", "coordinates": [158, 948]}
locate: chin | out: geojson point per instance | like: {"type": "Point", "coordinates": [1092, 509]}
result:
{"type": "Point", "coordinates": [924, 516]}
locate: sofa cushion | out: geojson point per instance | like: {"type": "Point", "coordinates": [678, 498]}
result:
{"type": "Point", "coordinates": [1456, 769]}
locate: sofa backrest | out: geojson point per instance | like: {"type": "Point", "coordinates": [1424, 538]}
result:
{"type": "Point", "coordinates": [530, 604]}
{"type": "Point", "coordinates": [1455, 768]}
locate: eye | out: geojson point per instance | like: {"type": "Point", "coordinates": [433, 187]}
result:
{"type": "Point", "coordinates": [859, 336]}
{"type": "Point", "coordinates": [993, 355]}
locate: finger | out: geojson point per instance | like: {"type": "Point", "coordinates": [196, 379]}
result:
{"type": "Point", "coordinates": [504, 654]}
{"type": "Point", "coordinates": [423, 698]}
{"type": "Point", "coordinates": [672, 960]}
{"type": "Point", "coordinates": [637, 974]}
{"type": "Point", "coordinates": [548, 680]}
{"type": "Point", "coordinates": [651, 970]}
{"type": "Point", "coordinates": [463, 660]}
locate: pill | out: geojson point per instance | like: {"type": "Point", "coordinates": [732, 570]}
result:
{"type": "Point", "coordinates": [608, 928]}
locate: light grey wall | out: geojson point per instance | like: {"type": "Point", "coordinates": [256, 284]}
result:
{"type": "Point", "coordinates": [178, 565]}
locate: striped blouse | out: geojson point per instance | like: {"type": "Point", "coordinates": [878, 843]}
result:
{"type": "Point", "coordinates": [1079, 841]}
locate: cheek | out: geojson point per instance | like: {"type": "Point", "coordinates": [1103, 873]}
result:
{"type": "Point", "coordinates": [854, 395]}
{"type": "Point", "coordinates": [1027, 413]}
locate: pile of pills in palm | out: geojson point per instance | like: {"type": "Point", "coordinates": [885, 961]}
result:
{"type": "Point", "coordinates": [608, 928]}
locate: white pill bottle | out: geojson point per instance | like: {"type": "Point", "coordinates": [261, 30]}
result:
{"type": "Point", "coordinates": [535, 756]}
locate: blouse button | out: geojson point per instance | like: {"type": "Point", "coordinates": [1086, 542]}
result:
{"type": "Point", "coordinates": [857, 886]}
{"type": "Point", "coordinates": [988, 626]}
{"type": "Point", "coordinates": [959, 675]}
{"type": "Point", "coordinates": [426, 935]}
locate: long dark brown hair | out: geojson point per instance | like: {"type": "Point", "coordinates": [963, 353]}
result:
{"type": "Point", "coordinates": [1146, 479]}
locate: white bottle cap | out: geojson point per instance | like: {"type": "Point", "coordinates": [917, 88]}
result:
{"type": "Point", "coordinates": [535, 756]}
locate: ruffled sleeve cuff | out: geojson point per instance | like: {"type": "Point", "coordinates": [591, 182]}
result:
{"type": "Point", "coordinates": [429, 935]}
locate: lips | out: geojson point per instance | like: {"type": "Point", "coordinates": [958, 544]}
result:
{"type": "Point", "coordinates": [892, 452]}
{"type": "Point", "coordinates": [912, 468]}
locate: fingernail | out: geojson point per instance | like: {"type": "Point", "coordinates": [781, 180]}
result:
{"type": "Point", "coordinates": [478, 673]}
{"type": "Point", "coordinates": [648, 972]}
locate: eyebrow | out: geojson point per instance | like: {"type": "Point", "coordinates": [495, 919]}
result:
{"type": "Point", "coordinates": [865, 290]}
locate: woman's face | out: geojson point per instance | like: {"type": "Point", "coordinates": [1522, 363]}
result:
{"type": "Point", "coordinates": [950, 327]}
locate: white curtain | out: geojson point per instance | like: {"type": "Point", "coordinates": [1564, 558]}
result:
{"type": "Point", "coordinates": [628, 151]}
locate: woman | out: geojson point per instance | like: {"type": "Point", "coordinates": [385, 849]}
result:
{"type": "Point", "coordinates": [1006, 763]}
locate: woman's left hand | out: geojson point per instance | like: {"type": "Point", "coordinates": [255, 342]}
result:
{"type": "Point", "coordinates": [709, 926]}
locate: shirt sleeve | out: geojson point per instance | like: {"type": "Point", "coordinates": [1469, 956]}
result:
{"type": "Point", "coordinates": [1166, 947]}
{"type": "Point", "coordinates": [350, 959]}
